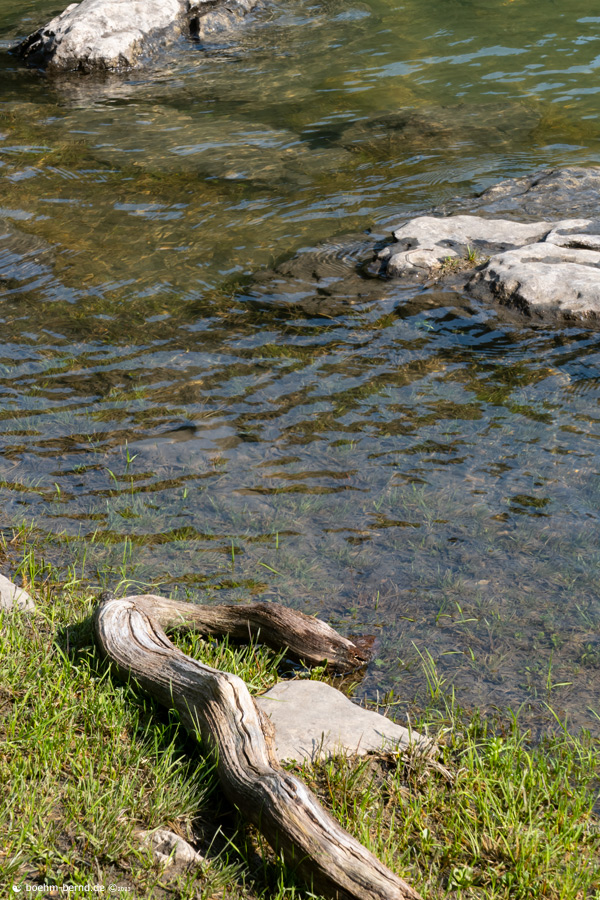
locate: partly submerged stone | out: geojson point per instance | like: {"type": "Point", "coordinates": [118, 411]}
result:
{"type": "Point", "coordinates": [313, 720]}
{"type": "Point", "coordinates": [104, 34]}
{"type": "Point", "coordinates": [426, 243]}
{"type": "Point", "coordinates": [108, 35]}
{"type": "Point", "coordinates": [543, 278]}
{"type": "Point", "coordinates": [13, 597]}
{"type": "Point", "coordinates": [221, 18]}
{"type": "Point", "coordinates": [551, 194]}
{"type": "Point", "coordinates": [539, 268]}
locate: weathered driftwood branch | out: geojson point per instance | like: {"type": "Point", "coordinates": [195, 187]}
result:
{"type": "Point", "coordinates": [306, 638]}
{"type": "Point", "coordinates": [218, 707]}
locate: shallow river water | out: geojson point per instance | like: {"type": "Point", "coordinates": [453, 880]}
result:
{"type": "Point", "coordinates": [199, 391]}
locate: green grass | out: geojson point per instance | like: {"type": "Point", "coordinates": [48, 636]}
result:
{"type": "Point", "coordinates": [85, 762]}
{"type": "Point", "coordinates": [505, 820]}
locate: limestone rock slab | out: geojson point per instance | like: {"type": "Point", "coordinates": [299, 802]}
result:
{"type": "Point", "coordinates": [13, 597]}
{"type": "Point", "coordinates": [426, 243]}
{"type": "Point", "coordinates": [313, 721]}
{"type": "Point", "coordinates": [537, 267]}
{"type": "Point", "coordinates": [169, 849]}
{"type": "Point", "coordinates": [543, 277]}
{"type": "Point", "coordinates": [576, 234]}
{"type": "Point", "coordinates": [104, 34]}
{"type": "Point", "coordinates": [550, 194]}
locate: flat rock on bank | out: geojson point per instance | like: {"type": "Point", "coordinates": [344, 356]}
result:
{"type": "Point", "coordinates": [13, 597]}
{"type": "Point", "coordinates": [313, 720]}
{"type": "Point", "coordinates": [541, 267]}
{"type": "Point", "coordinates": [108, 35]}
{"type": "Point", "coordinates": [169, 849]}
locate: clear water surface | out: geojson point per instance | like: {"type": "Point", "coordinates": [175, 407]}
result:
{"type": "Point", "coordinates": [199, 392]}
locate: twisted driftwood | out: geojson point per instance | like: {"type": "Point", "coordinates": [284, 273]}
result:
{"type": "Point", "coordinates": [218, 707]}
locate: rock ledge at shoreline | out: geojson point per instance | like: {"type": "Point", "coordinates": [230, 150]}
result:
{"type": "Point", "coordinates": [549, 266]}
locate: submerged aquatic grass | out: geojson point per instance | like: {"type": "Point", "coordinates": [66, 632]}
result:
{"type": "Point", "coordinates": [486, 567]}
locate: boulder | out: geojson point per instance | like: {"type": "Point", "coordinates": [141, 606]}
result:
{"type": "Point", "coordinates": [108, 35]}
{"type": "Point", "coordinates": [104, 34]}
{"type": "Point", "coordinates": [313, 721]}
{"type": "Point", "coordinates": [13, 597]}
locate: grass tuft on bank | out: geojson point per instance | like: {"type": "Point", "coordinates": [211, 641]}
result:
{"type": "Point", "coordinates": [86, 762]}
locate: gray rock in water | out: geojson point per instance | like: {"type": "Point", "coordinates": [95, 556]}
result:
{"type": "Point", "coordinates": [104, 34]}
{"type": "Point", "coordinates": [13, 597]}
{"type": "Point", "coordinates": [107, 35]}
{"type": "Point", "coordinates": [222, 18]}
{"type": "Point", "coordinates": [539, 268]}
{"type": "Point", "coordinates": [552, 194]}
{"type": "Point", "coordinates": [313, 720]}
{"type": "Point", "coordinates": [543, 278]}
{"type": "Point", "coordinates": [427, 243]}
{"type": "Point", "coordinates": [452, 127]}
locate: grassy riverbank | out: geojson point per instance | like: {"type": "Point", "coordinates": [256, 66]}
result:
{"type": "Point", "coordinates": [86, 762]}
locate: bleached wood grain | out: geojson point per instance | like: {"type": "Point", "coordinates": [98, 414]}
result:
{"type": "Point", "coordinates": [218, 708]}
